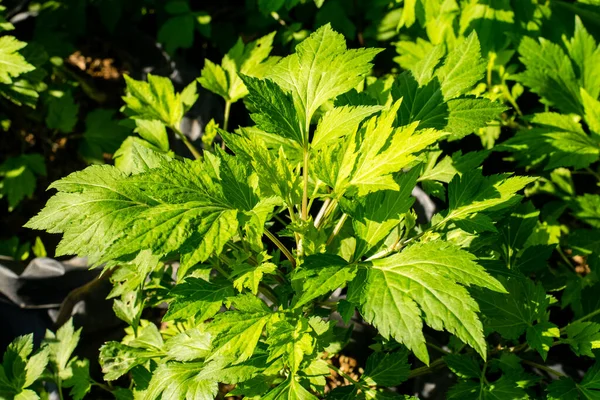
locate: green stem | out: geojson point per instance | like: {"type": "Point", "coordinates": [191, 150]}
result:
{"type": "Point", "coordinates": [59, 386]}
{"type": "Point", "coordinates": [305, 186]}
{"type": "Point", "coordinates": [329, 211]}
{"type": "Point", "coordinates": [304, 211]}
{"type": "Point", "coordinates": [313, 196]}
{"type": "Point", "coordinates": [544, 368]}
{"type": "Point", "coordinates": [490, 68]}
{"type": "Point", "coordinates": [511, 99]}
{"type": "Point", "coordinates": [482, 380]}
{"type": "Point", "coordinates": [564, 257]}
{"type": "Point", "coordinates": [399, 245]}
{"type": "Point", "coordinates": [594, 173]}
{"type": "Point", "coordinates": [347, 377]}
{"type": "Point", "coordinates": [102, 386]}
{"type": "Point", "coordinates": [439, 363]}
{"type": "Point", "coordinates": [281, 247]}
{"type": "Point", "coordinates": [222, 271]}
{"type": "Point", "coordinates": [338, 228]}
{"type": "Point", "coordinates": [437, 348]}
{"type": "Point", "coordinates": [226, 120]}
{"type": "Point", "coordinates": [321, 213]}
{"type": "Point", "coordinates": [588, 316]}
{"type": "Point", "coordinates": [226, 115]}
{"type": "Point", "coordinates": [187, 142]}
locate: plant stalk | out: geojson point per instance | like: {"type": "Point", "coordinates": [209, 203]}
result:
{"type": "Point", "coordinates": [544, 368]}
{"type": "Point", "coordinates": [281, 247]}
{"type": "Point", "coordinates": [226, 120]}
{"type": "Point", "coordinates": [321, 213]}
{"type": "Point", "coordinates": [337, 229]}
{"type": "Point", "coordinates": [187, 143]}
{"type": "Point", "coordinates": [305, 186]}
{"type": "Point", "coordinates": [59, 387]}
{"type": "Point", "coordinates": [587, 316]}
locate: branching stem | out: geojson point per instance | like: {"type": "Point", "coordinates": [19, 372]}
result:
{"type": "Point", "coordinates": [544, 368]}
{"type": "Point", "coordinates": [187, 142]}
{"type": "Point", "coordinates": [281, 246]}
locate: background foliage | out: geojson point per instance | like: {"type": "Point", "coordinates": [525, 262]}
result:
{"type": "Point", "coordinates": [297, 231]}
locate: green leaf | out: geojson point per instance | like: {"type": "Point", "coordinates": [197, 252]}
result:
{"type": "Point", "coordinates": [62, 344]}
{"type": "Point", "coordinates": [592, 113]}
{"type": "Point", "coordinates": [236, 334]}
{"type": "Point", "coordinates": [515, 229]}
{"type": "Point", "coordinates": [244, 59]}
{"type": "Point", "coordinates": [276, 173]}
{"type": "Point", "coordinates": [585, 53]}
{"type": "Point", "coordinates": [137, 155]}
{"type": "Point", "coordinates": [25, 89]}
{"type": "Point", "coordinates": [426, 105]}
{"type": "Point", "coordinates": [462, 69]}
{"type": "Point", "coordinates": [178, 381]}
{"type": "Point", "coordinates": [556, 137]}
{"type": "Point", "coordinates": [290, 342]}
{"type": "Point", "coordinates": [587, 209]}
{"type": "Point", "coordinates": [585, 241]}
{"type": "Point", "coordinates": [129, 308]}
{"type": "Point", "coordinates": [549, 73]}
{"type": "Point", "coordinates": [184, 206]}
{"type": "Point", "coordinates": [367, 160]}
{"type": "Point", "coordinates": [511, 314]}
{"type": "Point", "coordinates": [236, 374]}
{"type": "Point", "coordinates": [190, 345]}
{"type": "Point", "coordinates": [541, 337]}
{"type": "Point", "coordinates": [249, 276]}
{"type": "Point", "coordinates": [79, 379]}
{"type": "Point", "coordinates": [591, 381]}
{"type": "Point", "coordinates": [386, 369]}
{"type": "Point", "coordinates": [566, 388]}
{"type": "Point", "coordinates": [339, 122]}
{"type": "Point", "coordinates": [320, 70]}
{"type": "Point", "coordinates": [197, 298]}
{"type": "Point", "coordinates": [290, 389]}
{"type": "Point", "coordinates": [12, 64]}
{"type": "Point", "coordinates": [424, 278]}
{"type": "Point", "coordinates": [102, 135]}
{"type": "Point", "coordinates": [449, 166]}
{"type": "Point", "coordinates": [272, 109]}
{"type": "Point", "coordinates": [27, 395]}
{"type": "Point", "coordinates": [411, 56]}
{"type": "Point", "coordinates": [321, 274]}
{"type": "Point", "coordinates": [177, 32]}
{"type": "Point", "coordinates": [117, 359]}
{"type": "Point", "coordinates": [153, 100]}
{"type": "Point", "coordinates": [487, 18]}
{"type": "Point", "coordinates": [503, 388]}
{"type": "Point", "coordinates": [154, 132]}
{"type": "Point", "coordinates": [473, 193]}
{"type": "Point", "coordinates": [18, 177]}
{"type": "Point", "coordinates": [463, 365]}
{"type": "Point", "coordinates": [466, 115]}
{"type": "Point", "coordinates": [36, 366]}
{"type": "Point", "coordinates": [583, 337]}
{"type": "Point", "coordinates": [62, 113]}
{"type": "Point", "coordinates": [13, 374]}
{"type": "Point", "coordinates": [377, 214]}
